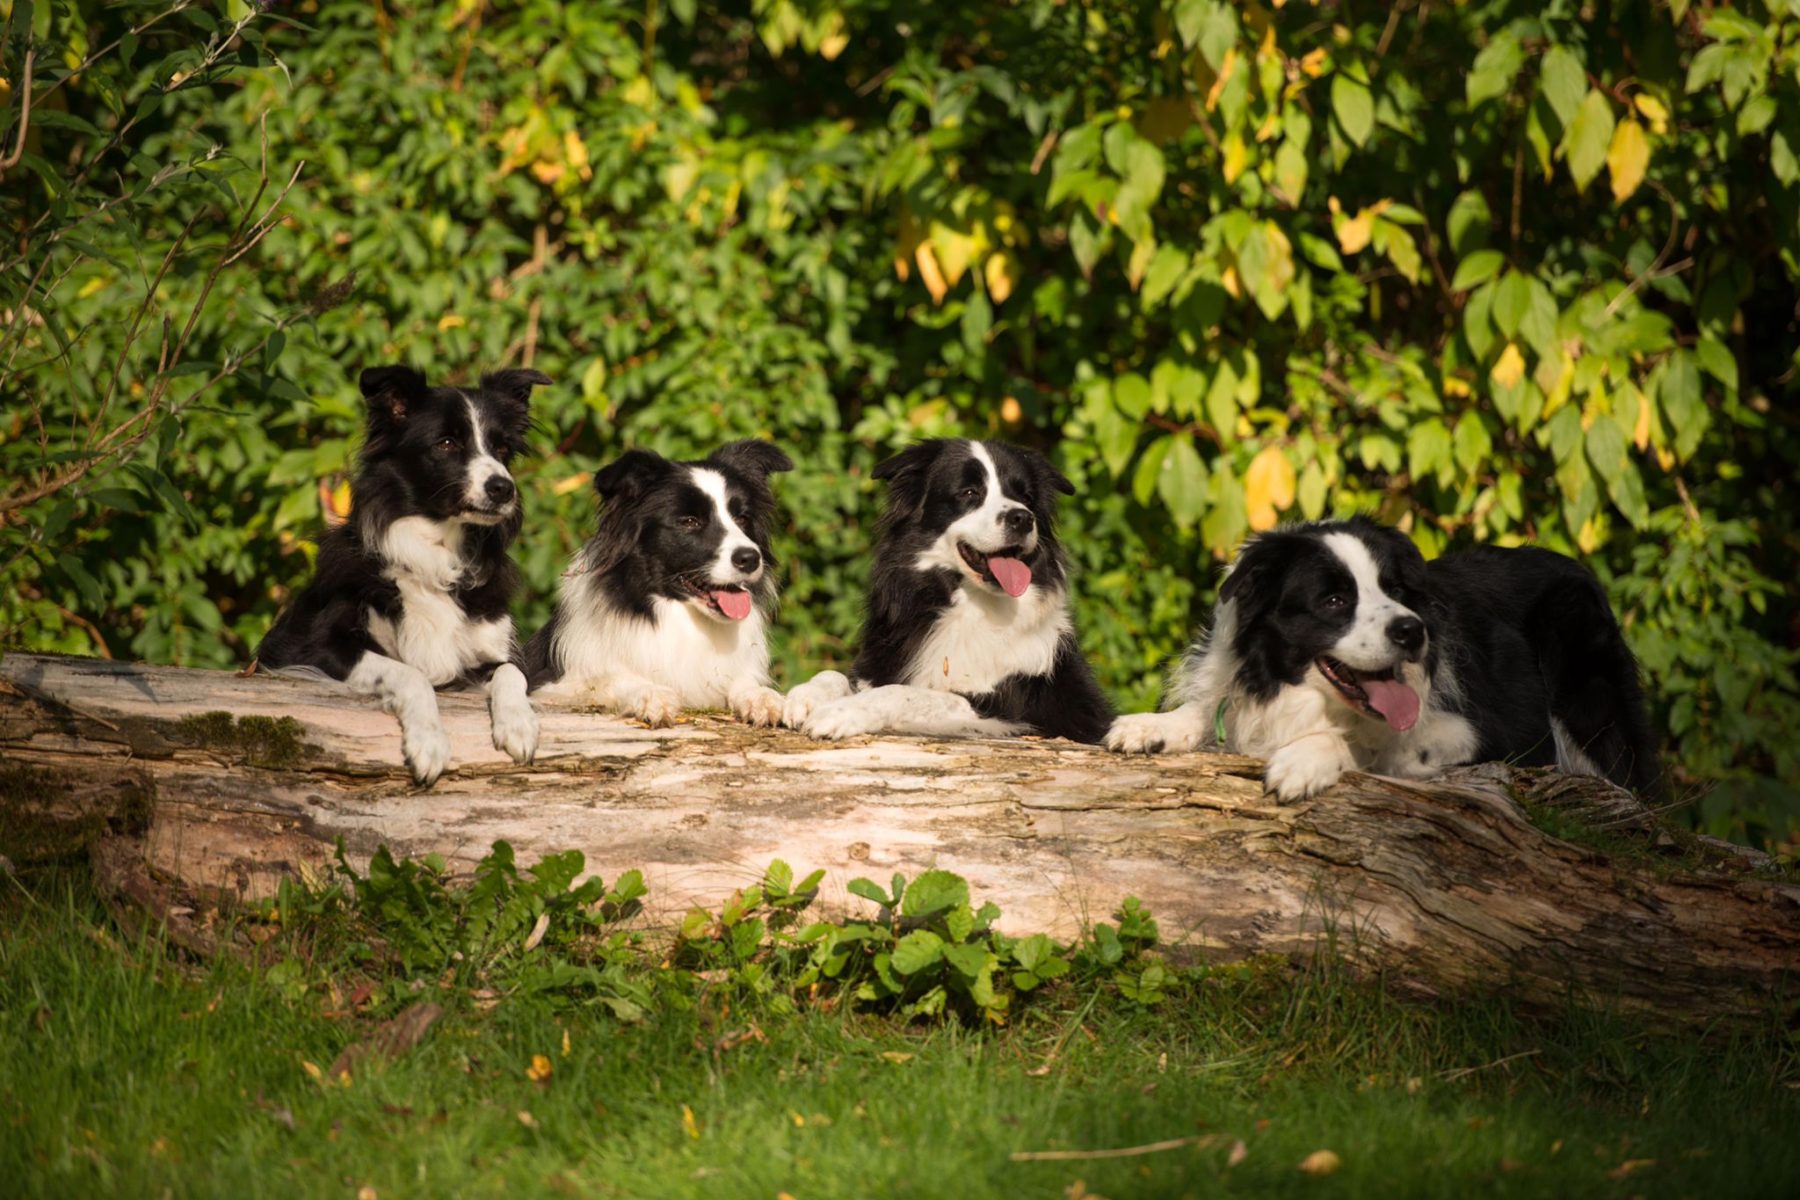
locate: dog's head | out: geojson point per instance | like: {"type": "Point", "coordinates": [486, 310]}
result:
{"type": "Point", "coordinates": [1341, 605]}
{"type": "Point", "coordinates": [982, 511]}
{"type": "Point", "coordinates": [449, 448]}
{"type": "Point", "coordinates": [696, 532]}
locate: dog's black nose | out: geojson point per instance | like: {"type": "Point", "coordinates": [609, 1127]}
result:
{"type": "Point", "coordinates": [1408, 633]}
{"type": "Point", "coordinates": [746, 559]}
{"type": "Point", "coordinates": [1018, 521]}
{"type": "Point", "coordinates": [499, 489]}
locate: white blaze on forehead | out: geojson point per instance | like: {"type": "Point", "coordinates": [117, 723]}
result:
{"type": "Point", "coordinates": [1365, 645]}
{"type": "Point", "coordinates": [713, 484]}
{"type": "Point", "coordinates": [983, 528]}
{"type": "Point", "coordinates": [483, 466]}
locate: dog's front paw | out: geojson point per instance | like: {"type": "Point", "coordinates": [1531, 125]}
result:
{"type": "Point", "coordinates": [515, 730]}
{"type": "Point", "coordinates": [821, 689]}
{"type": "Point", "coordinates": [657, 707]}
{"type": "Point", "coordinates": [839, 719]}
{"type": "Point", "coordinates": [1155, 733]}
{"type": "Point", "coordinates": [759, 706]}
{"type": "Point", "coordinates": [1303, 769]}
{"type": "Point", "coordinates": [427, 750]}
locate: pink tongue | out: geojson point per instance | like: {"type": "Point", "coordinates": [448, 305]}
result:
{"type": "Point", "coordinates": [1395, 701]}
{"type": "Point", "coordinates": [1011, 574]}
{"type": "Point", "coordinates": [736, 605]}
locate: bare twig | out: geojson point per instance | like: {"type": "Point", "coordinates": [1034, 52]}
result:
{"type": "Point", "coordinates": [1656, 270]}
{"type": "Point", "coordinates": [1202, 1139]}
{"type": "Point", "coordinates": [18, 150]}
{"type": "Point", "coordinates": [1463, 1072]}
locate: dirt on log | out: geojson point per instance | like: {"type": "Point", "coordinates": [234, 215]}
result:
{"type": "Point", "coordinates": [213, 787]}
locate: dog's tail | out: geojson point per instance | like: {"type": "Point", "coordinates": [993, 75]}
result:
{"type": "Point", "coordinates": [1597, 710]}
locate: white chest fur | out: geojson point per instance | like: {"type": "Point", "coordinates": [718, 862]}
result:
{"type": "Point", "coordinates": [432, 633]}
{"type": "Point", "coordinates": [981, 638]}
{"type": "Point", "coordinates": [700, 658]}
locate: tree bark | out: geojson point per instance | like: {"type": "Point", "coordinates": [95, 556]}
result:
{"type": "Point", "coordinates": [224, 784]}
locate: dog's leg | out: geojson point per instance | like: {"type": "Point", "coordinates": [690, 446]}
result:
{"type": "Point", "coordinates": [509, 709]}
{"type": "Point", "coordinates": [1180, 729]}
{"type": "Point", "coordinates": [754, 702]}
{"type": "Point", "coordinates": [634, 696]}
{"type": "Point", "coordinates": [1308, 765]}
{"type": "Point", "coordinates": [898, 708]}
{"type": "Point", "coordinates": [408, 695]}
{"type": "Point", "coordinates": [822, 688]}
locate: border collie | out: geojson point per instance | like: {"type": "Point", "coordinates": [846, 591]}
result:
{"type": "Point", "coordinates": [968, 630]}
{"type": "Point", "coordinates": [413, 592]}
{"type": "Point", "coordinates": [665, 608]}
{"type": "Point", "coordinates": [1336, 647]}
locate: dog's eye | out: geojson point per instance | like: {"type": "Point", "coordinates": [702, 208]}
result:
{"type": "Point", "coordinates": [1336, 601]}
{"type": "Point", "coordinates": [448, 446]}
{"type": "Point", "coordinates": [690, 524]}
{"type": "Point", "coordinates": [969, 493]}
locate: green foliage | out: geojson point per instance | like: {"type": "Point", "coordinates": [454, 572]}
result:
{"type": "Point", "coordinates": [1498, 273]}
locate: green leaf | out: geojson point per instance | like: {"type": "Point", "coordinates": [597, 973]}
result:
{"type": "Point", "coordinates": [1468, 222]}
{"type": "Point", "coordinates": [1354, 108]}
{"type": "Point", "coordinates": [933, 892]}
{"type": "Point", "coordinates": [93, 596]}
{"type": "Point", "coordinates": [1512, 296]}
{"type": "Point", "coordinates": [1428, 450]}
{"type": "Point", "coordinates": [1167, 267]}
{"type": "Point", "coordinates": [968, 959]}
{"type": "Point", "coordinates": [916, 951]}
{"type": "Point", "coordinates": [1717, 361]}
{"type": "Point", "coordinates": [1494, 68]}
{"type": "Point", "coordinates": [1478, 267]}
{"type": "Point", "coordinates": [1588, 138]}
{"type": "Point", "coordinates": [869, 890]}
{"type": "Point", "coordinates": [1564, 82]}
{"type": "Point", "coordinates": [1148, 476]}
{"type": "Point", "coordinates": [1181, 480]}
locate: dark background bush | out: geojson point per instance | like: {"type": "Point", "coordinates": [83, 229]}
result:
{"type": "Point", "coordinates": [1496, 271]}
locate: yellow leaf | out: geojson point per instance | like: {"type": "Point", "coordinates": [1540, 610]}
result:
{"type": "Point", "coordinates": [1509, 368]}
{"type": "Point", "coordinates": [1237, 156]}
{"type": "Point", "coordinates": [1627, 158]}
{"type": "Point", "coordinates": [1228, 279]}
{"type": "Point", "coordinates": [1218, 88]}
{"type": "Point", "coordinates": [1268, 487]}
{"type": "Point", "coordinates": [526, 1119]}
{"type": "Point", "coordinates": [1455, 387]}
{"type": "Point", "coordinates": [1010, 410]}
{"type": "Point", "coordinates": [1654, 111]}
{"type": "Point", "coordinates": [1139, 262]}
{"type": "Point", "coordinates": [540, 1069]}
{"type": "Point", "coordinates": [312, 1070]}
{"type": "Point", "coordinates": [576, 155]}
{"type": "Point", "coordinates": [1313, 64]}
{"type": "Point", "coordinates": [1321, 1162]}
{"type": "Point", "coordinates": [571, 483]}
{"type": "Point", "coordinates": [689, 1124]}
{"type": "Point", "coordinates": [679, 176]}
{"type": "Point", "coordinates": [340, 501]}
{"type": "Point", "coordinates": [1640, 429]}
{"type": "Point", "coordinates": [565, 1047]}
{"type": "Point", "coordinates": [929, 275]}
{"type": "Point", "coordinates": [954, 249]}
{"type": "Point", "coordinates": [1353, 233]}
{"type": "Point", "coordinates": [896, 1056]}
{"type": "Point", "coordinates": [451, 321]}
{"type": "Point", "coordinates": [1000, 272]}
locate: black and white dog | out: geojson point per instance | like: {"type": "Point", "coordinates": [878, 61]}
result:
{"type": "Point", "coordinates": [1336, 647]}
{"type": "Point", "coordinates": [666, 607]}
{"type": "Point", "coordinates": [968, 630]}
{"type": "Point", "coordinates": [414, 591]}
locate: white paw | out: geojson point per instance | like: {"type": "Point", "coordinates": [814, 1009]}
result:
{"type": "Point", "coordinates": [657, 707]}
{"type": "Point", "coordinates": [841, 718]}
{"type": "Point", "coordinates": [1155, 733]}
{"type": "Point", "coordinates": [761, 706]}
{"type": "Point", "coordinates": [1302, 769]}
{"type": "Point", "coordinates": [427, 750]}
{"type": "Point", "coordinates": [821, 689]}
{"type": "Point", "coordinates": [515, 729]}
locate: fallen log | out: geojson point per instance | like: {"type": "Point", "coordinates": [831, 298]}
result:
{"type": "Point", "coordinates": [221, 785]}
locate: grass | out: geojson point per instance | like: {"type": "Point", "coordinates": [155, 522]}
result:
{"type": "Point", "coordinates": [125, 1070]}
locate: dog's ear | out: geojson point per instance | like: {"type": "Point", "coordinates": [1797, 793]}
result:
{"type": "Point", "coordinates": [515, 383]}
{"type": "Point", "coordinates": [630, 475]}
{"type": "Point", "coordinates": [391, 391]}
{"type": "Point", "coordinates": [905, 472]}
{"type": "Point", "coordinates": [1046, 471]}
{"type": "Point", "coordinates": [750, 457]}
{"type": "Point", "coordinates": [1250, 573]}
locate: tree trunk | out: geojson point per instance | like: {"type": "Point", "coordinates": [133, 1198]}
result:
{"type": "Point", "coordinates": [225, 784]}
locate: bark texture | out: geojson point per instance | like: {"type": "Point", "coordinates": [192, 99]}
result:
{"type": "Point", "coordinates": [211, 787]}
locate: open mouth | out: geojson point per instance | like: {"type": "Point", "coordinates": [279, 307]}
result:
{"type": "Point", "coordinates": [732, 601]}
{"type": "Point", "coordinates": [1377, 693]}
{"type": "Point", "coordinates": [1002, 568]}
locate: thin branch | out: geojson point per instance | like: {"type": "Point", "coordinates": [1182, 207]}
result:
{"type": "Point", "coordinates": [1655, 269]}
{"type": "Point", "coordinates": [18, 151]}
{"type": "Point", "coordinates": [1202, 1139]}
